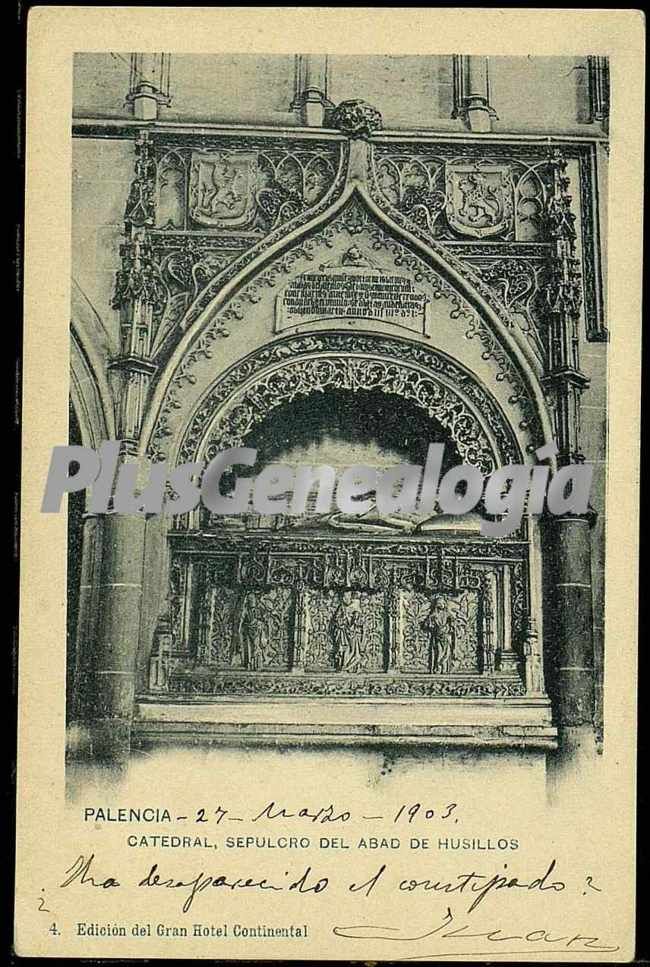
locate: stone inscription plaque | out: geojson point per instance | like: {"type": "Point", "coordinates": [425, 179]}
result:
{"type": "Point", "coordinates": [351, 294]}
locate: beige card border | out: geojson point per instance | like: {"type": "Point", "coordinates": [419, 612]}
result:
{"type": "Point", "coordinates": [54, 34]}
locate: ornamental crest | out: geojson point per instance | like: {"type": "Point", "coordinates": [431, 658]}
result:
{"type": "Point", "coordinates": [479, 199]}
{"type": "Point", "coordinates": [222, 188]}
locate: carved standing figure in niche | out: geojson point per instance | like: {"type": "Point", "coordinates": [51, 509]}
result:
{"type": "Point", "coordinates": [440, 625]}
{"type": "Point", "coordinates": [347, 633]}
{"type": "Point", "coordinates": [257, 627]}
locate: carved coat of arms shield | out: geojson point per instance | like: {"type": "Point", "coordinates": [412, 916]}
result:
{"type": "Point", "coordinates": [479, 199]}
{"type": "Point", "coordinates": [222, 188]}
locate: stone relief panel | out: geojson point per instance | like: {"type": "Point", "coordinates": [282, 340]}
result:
{"type": "Point", "coordinates": [454, 197]}
{"type": "Point", "coordinates": [342, 617]}
{"type": "Point", "coordinates": [197, 203]}
{"type": "Point", "coordinates": [300, 283]}
{"type": "Point", "coordinates": [345, 631]}
{"type": "Point", "coordinates": [246, 629]}
{"type": "Point", "coordinates": [200, 207]}
{"type": "Point", "coordinates": [253, 185]}
{"type": "Point", "coordinates": [441, 634]}
{"type": "Point", "coordinates": [502, 194]}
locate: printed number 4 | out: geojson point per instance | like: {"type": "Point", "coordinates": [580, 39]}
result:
{"type": "Point", "coordinates": [53, 930]}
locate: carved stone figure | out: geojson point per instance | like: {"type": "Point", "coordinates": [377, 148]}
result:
{"type": "Point", "coordinates": [355, 257]}
{"type": "Point", "coordinates": [258, 626]}
{"type": "Point", "coordinates": [222, 188]}
{"type": "Point", "coordinates": [480, 200]}
{"type": "Point", "coordinates": [440, 626]}
{"type": "Point", "coordinates": [347, 633]}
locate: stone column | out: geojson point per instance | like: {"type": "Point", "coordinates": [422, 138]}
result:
{"type": "Point", "coordinates": [87, 613]}
{"type": "Point", "coordinates": [310, 95]}
{"type": "Point", "coordinates": [477, 103]}
{"type": "Point", "coordinates": [472, 92]}
{"type": "Point", "coordinates": [112, 660]}
{"type": "Point", "coordinates": [568, 622]}
{"type": "Point", "coordinates": [148, 85]}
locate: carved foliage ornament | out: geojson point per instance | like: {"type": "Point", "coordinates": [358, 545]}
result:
{"type": "Point", "coordinates": [485, 196]}
{"type": "Point", "coordinates": [317, 375]}
{"type": "Point", "coordinates": [353, 220]}
{"type": "Point", "coordinates": [249, 184]}
{"type": "Point", "coordinates": [391, 364]}
{"type": "Point", "coordinates": [356, 118]}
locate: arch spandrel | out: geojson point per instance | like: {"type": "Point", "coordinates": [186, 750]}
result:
{"type": "Point", "coordinates": [244, 320]}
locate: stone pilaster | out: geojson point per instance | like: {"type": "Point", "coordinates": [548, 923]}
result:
{"type": "Point", "coordinates": [301, 631]}
{"type": "Point", "coordinates": [508, 660]}
{"type": "Point", "coordinates": [395, 628]}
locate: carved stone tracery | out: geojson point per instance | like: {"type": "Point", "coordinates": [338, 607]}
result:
{"type": "Point", "coordinates": [353, 220]}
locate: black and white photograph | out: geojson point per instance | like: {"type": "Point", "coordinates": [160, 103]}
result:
{"type": "Point", "coordinates": [330, 488]}
{"type": "Point", "coordinates": [346, 263]}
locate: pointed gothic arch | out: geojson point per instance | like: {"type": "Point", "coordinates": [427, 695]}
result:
{"type": "Point", "coordinates": [204, 321]}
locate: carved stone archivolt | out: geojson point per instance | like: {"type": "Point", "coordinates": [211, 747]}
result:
{"type": "Point", "coordinates": [302, 365]}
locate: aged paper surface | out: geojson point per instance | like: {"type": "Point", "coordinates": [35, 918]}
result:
{"type": "Point", "coordinates": [336, 236]}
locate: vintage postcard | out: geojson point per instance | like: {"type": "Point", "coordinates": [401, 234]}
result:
{"type": "Point", "coordinates": [328, 619]}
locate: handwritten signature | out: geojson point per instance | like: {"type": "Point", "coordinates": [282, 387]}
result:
{"type": "Point", "coordinates": [549, 939]}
